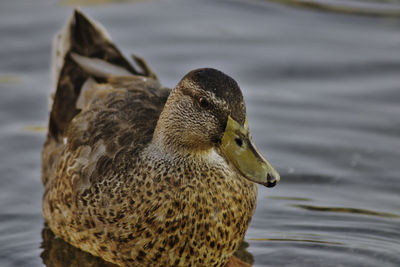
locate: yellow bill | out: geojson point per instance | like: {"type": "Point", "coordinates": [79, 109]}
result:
{"type": "Point", "coordinates": [239, 149]}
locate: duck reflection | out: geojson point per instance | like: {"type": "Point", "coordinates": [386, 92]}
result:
{"type": "Point", "coordinates": [58, 253]}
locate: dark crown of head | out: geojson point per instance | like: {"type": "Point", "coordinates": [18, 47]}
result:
{"type": "Point", "coordinates": [224, 87]}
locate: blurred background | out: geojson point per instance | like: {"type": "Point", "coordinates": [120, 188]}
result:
{"type": "Point", "coordinates": [321, 79]}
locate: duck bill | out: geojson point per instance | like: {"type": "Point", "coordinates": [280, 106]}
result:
{"type": "Point", "coordinates": [238, 148]}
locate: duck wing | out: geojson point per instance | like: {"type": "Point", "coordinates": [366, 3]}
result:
{"type": "Point", "coordinates": [81, 44]}
{"type": "Point", "coordinates": [102, 102]}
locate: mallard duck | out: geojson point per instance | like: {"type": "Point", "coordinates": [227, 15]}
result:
{"type": "Point", "coordinates": [142, 175]}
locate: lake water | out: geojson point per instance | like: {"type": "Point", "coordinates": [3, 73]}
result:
{"type": "Point", "coordinates": [322, 87]}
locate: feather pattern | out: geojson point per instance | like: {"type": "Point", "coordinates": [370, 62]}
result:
{"type": "Point", "coordinates": [111, 189]}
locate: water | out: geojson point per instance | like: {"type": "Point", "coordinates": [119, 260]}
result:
{"type": "Point", "coordinates": [323, 98]}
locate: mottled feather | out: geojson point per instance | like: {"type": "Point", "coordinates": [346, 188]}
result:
{"type": "Point", "coordinates": [110, 191]}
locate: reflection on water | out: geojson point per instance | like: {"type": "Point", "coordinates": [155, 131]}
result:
{"type": "Point", "coordinates": [10, 79]}
{"type": "Point", "coordinates": [243, 254]}
{"type": "Point", "coordinates": [56, 252]}
{"type": "Point", "coordinates": [35, 128]}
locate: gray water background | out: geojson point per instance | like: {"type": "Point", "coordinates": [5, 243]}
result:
{"type": "Point", "coordinates": [323, 98]}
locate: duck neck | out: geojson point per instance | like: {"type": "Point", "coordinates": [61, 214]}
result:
{"type": "Point", "coordinates": [165, 145]}
{"type": "Point", "coordinates": [165, 148]}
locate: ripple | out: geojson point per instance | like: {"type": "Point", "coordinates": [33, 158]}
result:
{"type": "Point", "coordinates": [350, 9]}
{"type": "Point", "coordinates": [308, 178]}
{"type": "Point", "coordinates": [296, 240]}
{"type": "Point", "coordinates": [347, 210]}
{"type": "Point", "coordinates": [290, 198]}
{"type": "Point", "coordinates": [75, 3]}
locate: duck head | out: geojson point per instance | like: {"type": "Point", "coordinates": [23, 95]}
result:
{"type": "Point", "coordinates": [206, 111]}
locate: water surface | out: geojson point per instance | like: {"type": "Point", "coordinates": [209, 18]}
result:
{"type": "Point", "coordinates": [323, 99]}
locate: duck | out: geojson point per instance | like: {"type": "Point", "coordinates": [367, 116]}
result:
{"type": "Point", "coordinates": [143, 175]}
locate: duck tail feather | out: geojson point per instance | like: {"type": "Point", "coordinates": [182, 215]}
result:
{"type": "Point", "coordinates": [82, 49]}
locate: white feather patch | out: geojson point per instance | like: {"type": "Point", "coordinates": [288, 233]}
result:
{"type": "Point", "coordinates": [98, 67]}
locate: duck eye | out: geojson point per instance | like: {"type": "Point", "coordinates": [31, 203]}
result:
{"type": "Point", "coordinates": [203, 102]}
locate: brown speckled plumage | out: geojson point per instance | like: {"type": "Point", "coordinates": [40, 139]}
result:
{"type": "Point", "coordinates": [132, 193]}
